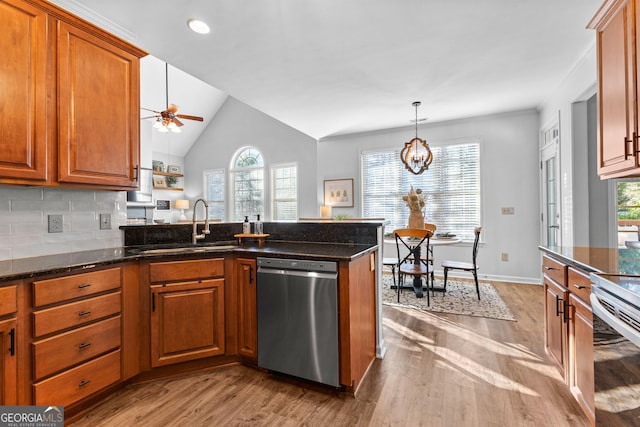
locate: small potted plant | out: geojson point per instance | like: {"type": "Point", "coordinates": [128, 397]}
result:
{"type": "Point", "coordinates": [171, 180]}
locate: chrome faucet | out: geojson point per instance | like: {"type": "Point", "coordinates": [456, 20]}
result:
{"type": "Point", "coordinates": [205, 230]}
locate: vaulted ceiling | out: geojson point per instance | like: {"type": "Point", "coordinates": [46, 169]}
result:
{"type": "Point", "coordinates": [330, 67]}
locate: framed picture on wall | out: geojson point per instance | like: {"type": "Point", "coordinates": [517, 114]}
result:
{"type": "Point", "coordinates": [338, 193]}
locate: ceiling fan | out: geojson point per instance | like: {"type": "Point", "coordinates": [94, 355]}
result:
{"type": "Point", "coordinates": [168, 119]}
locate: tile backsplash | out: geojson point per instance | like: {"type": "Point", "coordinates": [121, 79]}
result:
{"type": "Point", "coordinates": [24, 215]}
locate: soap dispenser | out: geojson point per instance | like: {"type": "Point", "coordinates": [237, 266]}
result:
{"type": "Point", "coordinates": [258, 226]}
{"type": "Point", "coordinates": [246, 226]}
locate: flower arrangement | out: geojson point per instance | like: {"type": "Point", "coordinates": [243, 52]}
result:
{"type": "Point", "coordinates": [415, 200]}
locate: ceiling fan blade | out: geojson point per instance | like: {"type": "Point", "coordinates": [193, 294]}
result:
{"type": "Point", "coordinates": [177, 122]}
{"type": "Point", "coordinates": [149, 117]}
{"type": "Point", "coordinates": [184, 116]}
{"type": "Point", "coordinates": [172, 108]}
{"type": "Point", "coordinates": [157, 112]}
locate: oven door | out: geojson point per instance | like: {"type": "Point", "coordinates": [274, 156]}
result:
{"type": "Point", "coordinates": [616, 363]}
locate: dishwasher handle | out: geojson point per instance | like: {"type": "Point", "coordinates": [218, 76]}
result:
{"type": "Point", "coordinates": [298, 273]}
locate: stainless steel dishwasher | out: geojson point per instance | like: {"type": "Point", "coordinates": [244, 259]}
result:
{"type": "Point", "coordinates": [298, 318]}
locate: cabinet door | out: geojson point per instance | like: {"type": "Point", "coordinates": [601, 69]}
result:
{"type": "Point", "coordinates": [616, 95]}
{"type": "Point", "coordinates": [187, 321]}
{"type": "Point", "coordinates": [555, 306]}
{"type": "Point", "coordinates": [247, 311]}
{"type": "Point", "coordinates": [8, 366]}
{"type": "Point", "coordinates": [581, 354]}
{"type": "Point", "coordinates": [99, 110]}
{"type": "Point", "coordinates": [23, 93]}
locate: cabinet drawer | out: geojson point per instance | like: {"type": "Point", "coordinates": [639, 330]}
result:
{"type": "Point", "coordinates": [79, 382]}
{"type": "Point", "coordinates": [579, 284]}
{"type": "Point", "coordinates": [75, 313]}
{"type": "Point", "coordinates": [61, 351]}
{"type": "Point", "coordinates": [75, 286]}
{"type": "Point", "coordinates": [555, 270]}
{"type": "Point", "coordinates": [185, 270]}
{"type": "Point", "coordinates": [8, 301]}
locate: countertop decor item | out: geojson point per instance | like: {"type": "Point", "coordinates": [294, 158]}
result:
{"type": "Point", "coordinates": [416, 154]}
{"type": "Point", "coordinates": [415, 201]}
{"type": "Point", "coordinates": [182, 205]}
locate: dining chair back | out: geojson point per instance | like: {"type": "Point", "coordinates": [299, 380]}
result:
{"type": "Point", "coordinates": [466, 266]}
{"type": "Point", "coordinates": [410, 263]}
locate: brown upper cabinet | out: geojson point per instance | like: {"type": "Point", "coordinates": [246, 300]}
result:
{"type": "Point", "coordinates": [70, 101]}
{"type": "Point", "coordinates": [616, 25]}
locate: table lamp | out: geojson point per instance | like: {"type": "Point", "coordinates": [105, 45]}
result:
{"type": "Point", "coordinates": [325, 211]}
{"type": "Point", "coordinates": [182, 205]}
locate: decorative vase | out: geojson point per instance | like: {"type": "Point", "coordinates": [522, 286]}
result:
{"type": "Point", "coordinates": [416, 219]}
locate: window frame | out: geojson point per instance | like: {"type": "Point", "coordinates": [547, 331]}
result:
{"type": "Point", "coordinates": [402, 177]}
{"type": "Point", "coordinates": [233, 173]}
{"type": "Point", "coordinates": [273, 167]}
{"type": "Point", "coordinates": [222, 172]}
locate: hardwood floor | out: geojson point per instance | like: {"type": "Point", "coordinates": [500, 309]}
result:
{"type": "Point", "coordinates": [439, 370]}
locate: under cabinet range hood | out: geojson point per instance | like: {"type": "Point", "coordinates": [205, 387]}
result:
{"type": "Point", "coordinates": [143, 196]}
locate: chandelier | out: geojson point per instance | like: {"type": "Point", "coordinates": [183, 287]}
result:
{"type": "Point", "coordinates": [416, 154]}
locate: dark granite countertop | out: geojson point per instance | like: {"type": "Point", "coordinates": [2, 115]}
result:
{"type": "Point", "coordinates": [598, 260]}
{"type": "Point", "coordinates": [61, 263]}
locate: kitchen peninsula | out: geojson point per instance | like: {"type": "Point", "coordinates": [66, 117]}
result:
{"type": "Point", "coordinates": [86, 324]}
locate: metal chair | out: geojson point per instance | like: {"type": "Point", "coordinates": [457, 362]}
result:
{"type": "Point", "coordinates": [412, 239]}
{"type": "Point", "coordinates": [465, 266]}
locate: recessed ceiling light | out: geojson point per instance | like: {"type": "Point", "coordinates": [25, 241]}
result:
{"type": "Point", "coordinates": [198, 26]}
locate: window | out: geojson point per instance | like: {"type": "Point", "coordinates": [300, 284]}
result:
{"type": "Point", "coordinates": [451, 184]}
{"type": "Point", "coordinates": [247, 180]}
{"type": "Point", "coordinates": [284, 192]}
{"type": "Point", "coordinates": [214, 193]}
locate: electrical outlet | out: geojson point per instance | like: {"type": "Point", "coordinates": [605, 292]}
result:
{"type": "Point", "coordinates": [505, 256]}
{"type": "Point", "coordinates": [55, 223]}
{"type": "Point", "coordinates": [105, 221]}
{"type": "Point", "coordinates": [508, 211]}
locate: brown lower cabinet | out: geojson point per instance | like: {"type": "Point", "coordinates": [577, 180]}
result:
{"type": "Point", "coordinates": [569, 328]}
{"type": "Point", "coordinates": [8, 345]}
{"type": "Point", "coordinates": [247, 308]}
{"type": "Point", "coordinates": [8, 366]}
{"type": "Point", "coordinates": [76, 339]}
{"type": "Point", "coordinates": [79, 336]}
{"type": "Point", "coordinates": [187, 310]}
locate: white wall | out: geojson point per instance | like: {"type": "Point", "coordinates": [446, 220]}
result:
{"type": "Point", "coordinates": [579, 85]}
{"type": "Point", "coordinates": [509, 173]}
{"type": "Point", "coordinates": [238, 125]}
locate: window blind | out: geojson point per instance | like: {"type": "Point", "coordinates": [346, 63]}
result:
{"type": "Point", "coordinates": [284, 192]}
{"type": "Point", "coordinates": [214, 192]}
{"type": "Point", "coordinates": [451, 186]}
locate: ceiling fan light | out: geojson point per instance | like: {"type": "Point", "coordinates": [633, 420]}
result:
{"type": "Point", "coordinates": [172, 125]}
{"type": "Point", "coordinates": [198, 26]}
{"type": "Point", "coordinates": [175, 129]}
{"type": "Point", "coordinates": [157, 124]}
{"type": "Point", "coordinates": [163, 129]}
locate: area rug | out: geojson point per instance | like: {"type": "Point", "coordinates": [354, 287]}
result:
{"type": "Point", "coordinates": [460, 298]}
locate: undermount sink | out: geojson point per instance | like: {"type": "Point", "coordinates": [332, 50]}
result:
{"type": "Point", "coordinates": [187, 250]}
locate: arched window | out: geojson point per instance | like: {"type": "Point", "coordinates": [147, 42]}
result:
{"type": "Point", "coordinates": [247, 184]}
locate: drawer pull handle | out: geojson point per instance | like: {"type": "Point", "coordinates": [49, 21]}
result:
{"type": "Point", "coordinates": [550, 268]}
{"type": "Point", "coordinates": [84, 313]}
{"type": "Point", "coordinates": [84, 345]}
{"type": "Point", "coordinates": [84, 285]}
{"type": "Point", "coordinates": [84, 383]}
{"type": "Point", "coordinates": [12, 335]}
{"type": "Point", "coordinates": [578, 286]}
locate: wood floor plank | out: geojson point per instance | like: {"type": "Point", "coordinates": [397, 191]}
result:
{"type": "Point", "coordinates": [439, 370]}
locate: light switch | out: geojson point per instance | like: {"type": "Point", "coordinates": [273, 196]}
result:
{"type": "Point", "coordinates": [508, 211]}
